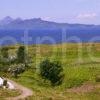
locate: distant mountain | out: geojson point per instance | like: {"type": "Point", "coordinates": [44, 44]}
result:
{"type": "Point", "coordinates": [37, 23]}
{"type": "Point", "coordinates": [6, 20]}
{"type": "Point", "coordinates": [38, 28]}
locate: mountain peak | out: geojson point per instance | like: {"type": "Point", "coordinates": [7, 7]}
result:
{"type": "Point", "coordinates": [18, 19]}
{"type": "Point", "coordinates": [36, 19]}
{"type": "Point", "coordinates": [8, 18]}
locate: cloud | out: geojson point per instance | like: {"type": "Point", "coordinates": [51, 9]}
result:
{"type": "Point", "coordinates": [86, 16]}
{"type": "Point", "coordinates": [47, 18]}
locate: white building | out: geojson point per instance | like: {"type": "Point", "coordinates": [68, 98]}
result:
{"type": "Point", "coordinates": [9, 84]}
{"type": "Point", "coordinates": [1, 81]}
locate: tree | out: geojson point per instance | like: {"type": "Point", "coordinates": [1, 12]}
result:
{"type": "Point", "coordinates": [21, 54]}
{"type": "Point", "coordinates": [4, 59]}
{"type": "Point", "coordinates": [52, 71]}
{"type": "Point", "coordinates": [4, 53]}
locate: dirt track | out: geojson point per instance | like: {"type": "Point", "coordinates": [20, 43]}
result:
{"type": "Point", "coordinates": [25, 92]}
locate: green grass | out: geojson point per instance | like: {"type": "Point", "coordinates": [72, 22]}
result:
{"type": "Point", "coordinates": [76, 71]}
{"type": "Point", "coordinates": [8, 93]}
{"type": "Point", "coordinates": [74, 77]}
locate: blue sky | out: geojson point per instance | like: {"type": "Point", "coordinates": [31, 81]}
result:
{"type": "Point", "coordinates": [70, 11]}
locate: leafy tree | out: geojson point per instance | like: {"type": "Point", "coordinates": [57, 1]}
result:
{"type": "Point", "coordinates": [21, 54]}
{"type": "Point", "coordinates": [52, 71]}
{"type": "Point", "coordinates": [4, 53]}
{"type": "Point", "coordinates": [4, 59]}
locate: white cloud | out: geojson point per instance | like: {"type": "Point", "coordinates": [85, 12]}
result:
{"type": "Point", "coordinates": [86, 16]}
{"type": "Point", "coordinates": [47, 18]}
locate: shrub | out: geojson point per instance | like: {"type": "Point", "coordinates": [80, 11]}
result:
{"type": "Point", "coordinates": [17, 69]}
{"type": "Point", "coordinates": [4, 52]}
{"type": "Point", "coordinates": [21, 54]}
{"type": "Point", "coordinates": [52, 71]}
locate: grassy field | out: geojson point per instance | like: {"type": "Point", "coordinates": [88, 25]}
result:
{"type": "Point", "coordinates": [74, 77]}
{"type": "Point", "coordinates": [80, 62]}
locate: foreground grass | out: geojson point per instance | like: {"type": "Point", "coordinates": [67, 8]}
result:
{"type": "Point", "coordinates": [93, 95]}
{"type": "Point", "coordinates": [5, 93]}
{"type": "Point", "coordinates": [74, 76]}
{"type": "Point", "coordinates": [76, 71]}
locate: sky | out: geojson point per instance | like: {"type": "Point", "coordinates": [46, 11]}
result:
{"type": "Point", "coordinates": [67, 11]}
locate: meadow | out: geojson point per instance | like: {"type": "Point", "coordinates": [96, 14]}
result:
{"type": "Point", "coordinates": [81, 66]}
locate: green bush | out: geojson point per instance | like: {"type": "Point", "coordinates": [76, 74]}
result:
{"type": "Point", "coordinates": [18, 70]}
{"type": "Point", "coordinates": [52, 71]}
{"type": "Point", "coordinates": [4, 53]}
{"type": "Point", "coordinates": [21, 54]}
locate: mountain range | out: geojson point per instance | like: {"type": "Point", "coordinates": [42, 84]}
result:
{"type": "Point", "coordinates": [14, 29]}
{"type": "Point", "coordinates": [37, 23]}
